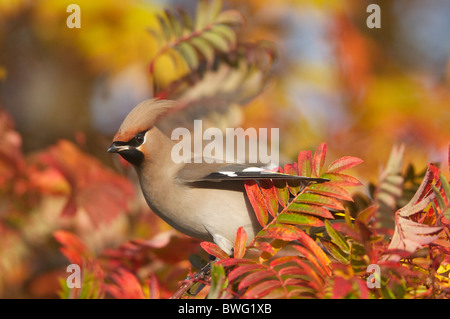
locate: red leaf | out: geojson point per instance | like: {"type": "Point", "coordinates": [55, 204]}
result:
{"type": "Point", "coordinates": [315, 249]}
{"type": "Point", "coordinates": [127, 286]}
{"type": "Point", "coordinates": [343, 163]}
{"type": "Point", "coordinates": [304, 163]}
{"type": "Point", "coordinates": [254, 278]}
{"type": "Point", "coordinates": [270, 196]}
{"type": "Point", "coordinates": [240, 243]}
{"type": "Point", "coordinates": [214, 250]}
{"type": "Point", "coordinates": [341, 288]}
{"type": "Point", "coordinates": [262, 289]}
{"type": "Point", "coordinates": [240, 270]}
{"type": "Point", "coordinates": [293, 186]}
{"type": "Point", "coordinates": [257, 201]}
{"type": "Point", "coordinates": [278, 231]}
{"type": "Point", "coordinates": [73, 248]}
{"type": "Point", "coordinates": [281, 189]}
{"type": "Point", "coordinates": [330, 189]}
{"type": "Point", "coordinates": [319, 159]}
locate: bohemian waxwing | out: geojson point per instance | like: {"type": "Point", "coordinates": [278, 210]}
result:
{"type": "Point", "coordinates": [205, 201]}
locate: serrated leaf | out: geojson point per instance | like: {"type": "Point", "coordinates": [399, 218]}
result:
{"type": "Point", "coordinates": [215, 6]}
{"type": "Point", "coordinates": [280, 231]}
{"type": "Point", "coordinates": [240, 243]}
{"type": "Point", "coordinates": [164, 27]}
{"type": "Point", "coordinates": [174, 23]}
{"type": "Point", "coordinates": [257, 201]}
{"type": "Point", "coordinates": [299, 219]}
{"type": "Point", "coordinates": [315, 249]}
{"type": "Point", "coordinates": [335, 251]}
{"type": "Point", "coordinates": [330, 189]}
{"type": "Point", "coordinates": [310, 209]}
{"type": "Point", "coordinates": [343, 163]}
{"type": "Point", "coordinates": [217, 41]}
{"type": "Point", "coordinates": [320, 200]}
{"type": "Point", "coordinates": [243, 269]}
{"type": "Point", "coordinates": [226, 32]}
{"type": "Point", "coordinates": [342, 179]}
{"type": "Point", "coordinates": [255, 277]}
{"type": "Point", "coordinates": [270, 196]}
{"type": "Point", "coordinates": [201, 17]}
{"type": "Point", "coordinates": [214, 250]}
{"type": "Point", "coordinates": [293, 186]}
{"type": "Point", "coordinates": [282, 191]}
{"type": "Point", "coordinates": [204, 47]}
{"type": "Point", "coordinates": [366, 215]}
{"type": "Point", "coordinates": [319, 159]}
{"type": "Point", "coordinates": [231, 18]}
{"type": "Point", "coordinates": [262, 289]}
{"type": "Point", "coordinates": [305, 163]}
{"type": "Point", "coordinates": [218, 281]}
{"type": "Point", "coordinates": [337, 238]}
{"type": "Point", "coordinates": [189, 54]}
{"type": "Point", "coordinates": [188, 26]}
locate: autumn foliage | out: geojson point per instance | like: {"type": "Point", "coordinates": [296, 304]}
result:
{"type": "Point", "coordinates": [364, 233]}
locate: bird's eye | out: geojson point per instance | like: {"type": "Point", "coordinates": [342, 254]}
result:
{"type": "Point", "coordinates": [137, 140]}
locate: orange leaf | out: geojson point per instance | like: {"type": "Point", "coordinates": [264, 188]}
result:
{"type": "Point", "coordinates": [257, 201]}
{"type": "Point", "coordinates": [240, 243]}
{"type": "Point", "coordinates": [343, 163]}
{"type": "Point", "coordinates": [270, 196]}
{"type": "Point", "coordinates": [214, 250]}
{"type": "Point", "coordinates": [304, 163]}
{"type": "Point", "coordinates": [319, 159]}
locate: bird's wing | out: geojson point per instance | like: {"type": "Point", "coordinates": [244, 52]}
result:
{"type": "Point", "coordinates": [218, 172]}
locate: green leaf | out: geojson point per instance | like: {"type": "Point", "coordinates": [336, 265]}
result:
{"type": "Point", "coordinates": [189, 54]}
{"type": "Point", "coordinates": [320, 200]}
{"type": "Point", "coordinates": [366, 215]}
{"type": "Point", "coordinates": [217, 41]}
{"type": "Point", "coordinates": [215, 6]}
{"type": "Point", "coordinates": [218, 281]}
{"type": "Point", "coordinates": [204, 47]}
{"type": "Point", "coordinates": [231, 18]}
{"type": "Point", "coordinates": [319, 159]}
{"type": "Point", "coordinates": [337, 238]}
{"type": "Point", "coordinates": [335, 251]}
{"type": "Point", "coordinates": [174, 23]}
{"type": "Point", "coordinates": [299, 219]}
{"type": "Point", "coordinates": [280, 231]}
{"type": "Point", "coordinates": [201, 17]}
{"type": "Point", "coordinates": [310, 209]}
{"type": "Point", "coordinates": [226, 32]}
{"type": "Point", "coordinates": [304, 163]}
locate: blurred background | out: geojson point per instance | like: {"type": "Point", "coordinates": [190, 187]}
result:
{"type": "Point", "coordinates": [65, 91]}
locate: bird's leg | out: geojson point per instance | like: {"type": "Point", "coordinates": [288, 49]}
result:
{"type": "Point", "coordinates": [201, 275]}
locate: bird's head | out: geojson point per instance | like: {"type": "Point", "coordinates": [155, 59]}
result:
{"type": "Point", "coordinates": [135, 134]}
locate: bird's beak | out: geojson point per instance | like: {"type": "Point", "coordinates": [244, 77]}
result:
{"type": "Point", "coordinates": [117, 148]}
